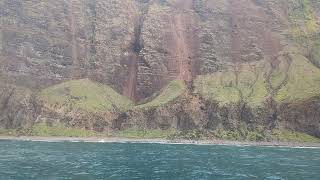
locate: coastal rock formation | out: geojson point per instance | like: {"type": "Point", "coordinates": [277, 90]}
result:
{"type": "Point", "coordinates": [109, 65]}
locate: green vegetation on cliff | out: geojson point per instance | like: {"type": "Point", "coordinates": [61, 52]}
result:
{"type": "Point", "coordinates": [303, 81]}
{"type": "Point", "coordinates": [91, 96]}
{"type": "Point", "coordinates": [294, 79]}
{"type": "Point", "coordinates": [305, 29]}
{"type": "Point", "coordinates": [220, 87]}
{"type": "Point", "coordinates": [87, 95]}
{"type": "Point", "coordinates": [243, 134]}
{"type": "Point", "coordinates": [281, 135]}
{"type": "Point", "coordinates": [173, 90]}
{"type": "Point", "coordinates": [247, 84]}
{"type": "Point", "coordinates": [303, 21]}
{"type": "Point", "coordinates": [284, 135]}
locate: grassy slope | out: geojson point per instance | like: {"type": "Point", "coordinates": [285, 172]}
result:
{"type": "Point", "coordinates": [87, 95]}
{"type": "Point", "coordinates": [173, 90]}
{"type": "Point", "coordinates": [304, 76]}
{"type": "Point", "coordinates": [223, 86]}
{"type": "Point", "coordinates": [283, 135]}
{"type": "Point", "coordinates": [219, 86]}
{"type": "Point", "coordinates": [92, 96]}
{"type": "Point", "coordinates": [303, 81]}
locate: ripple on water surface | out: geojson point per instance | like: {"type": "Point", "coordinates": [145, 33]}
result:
{"type": "Point", "coordinates": [62, 160]}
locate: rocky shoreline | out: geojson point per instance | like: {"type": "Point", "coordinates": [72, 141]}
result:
{"type": "Point", "coordinates": [160, 141]}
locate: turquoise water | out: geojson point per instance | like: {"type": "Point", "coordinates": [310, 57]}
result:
{"type": "Point", "coordinates": [65, 160]}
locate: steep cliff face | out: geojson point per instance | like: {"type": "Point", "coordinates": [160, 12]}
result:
{"type": "Point", "coordinates": [49, 42]}
{"type": "Point", "coordinates": [182, 64]}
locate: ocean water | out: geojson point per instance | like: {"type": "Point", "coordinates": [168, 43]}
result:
{"type": "Point", "coordinates": [23, 160]}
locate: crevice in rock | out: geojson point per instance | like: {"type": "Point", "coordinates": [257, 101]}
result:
{"type": "Point", "coordinates": [137, 45]}
{"type": "Point", "coordinates": [273, 90]}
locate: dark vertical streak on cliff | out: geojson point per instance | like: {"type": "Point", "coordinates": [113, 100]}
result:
{"type": "Point", "coordinates": [145, 77]}
{"type": "Point", "coordinates": [137, 46]}
{"type": "Point", "coordinates": [134, 57]}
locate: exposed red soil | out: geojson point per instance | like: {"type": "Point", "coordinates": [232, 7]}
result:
{"type": "Point", "coordinates": [130, 83]}
{"type": "Point", "coordinates": [182, 51]}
